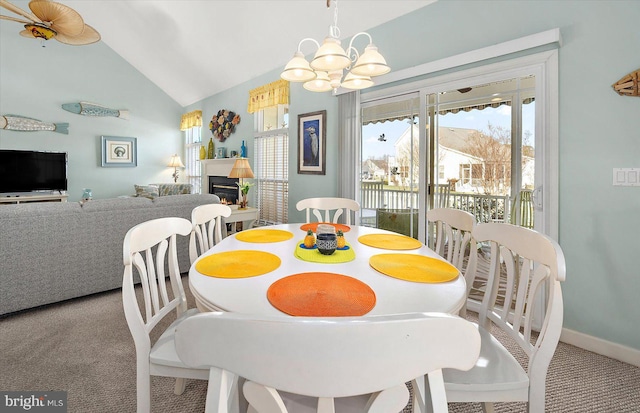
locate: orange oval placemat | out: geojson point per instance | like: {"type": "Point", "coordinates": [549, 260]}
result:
{"type": "Point", "coordinates": [390, 241]}
{"type": "Point", "coordinates": [414, 267]}
{"type": "Point", "coordinates": [238, 264]}
{"type": "Point", "coordinates": [264, 235]}
{"type": "Point", "coordinates": [321, 294]}
{"type": "Point", "coordinates": [313, 226]}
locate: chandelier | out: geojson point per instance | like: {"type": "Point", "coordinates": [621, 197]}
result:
{"type": "Point", "coordinates": [325, 71]}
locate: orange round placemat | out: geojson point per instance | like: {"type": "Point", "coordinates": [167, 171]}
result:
{"type": "Point", "coordinates": [238, 264]}
{"type": "Point", "coordinates": [321, 294]}
{"type": "Point", "coordinates": [264, 235]}
{"type": "Point", "coordinates": [313, 226]}
{"type": "Point", "coordinates": [414, 267]}
{"type": "Point", "coordinates": [390, 241]}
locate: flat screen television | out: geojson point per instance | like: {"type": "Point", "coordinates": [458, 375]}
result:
{"type": "Point", "coordinates": [32, 171]}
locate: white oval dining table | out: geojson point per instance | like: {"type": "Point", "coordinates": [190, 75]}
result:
{"type": "Point", "coordinates": [393, 296]}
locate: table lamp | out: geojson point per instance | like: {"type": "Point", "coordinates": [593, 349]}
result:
{"type": "Point", "coordinates": [175, 163]}
{"type": "Point", "coordinates": [241, 169]}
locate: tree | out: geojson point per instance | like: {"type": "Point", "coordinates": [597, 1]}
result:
{"type": "Point", "coordinates": [493, 147]}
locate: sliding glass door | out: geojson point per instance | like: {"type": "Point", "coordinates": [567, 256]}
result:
{"type": "Point", "coordinates": [472, 143]}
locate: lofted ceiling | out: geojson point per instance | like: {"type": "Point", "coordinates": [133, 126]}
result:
{"type": "Point", "coordinates": [193, 49]}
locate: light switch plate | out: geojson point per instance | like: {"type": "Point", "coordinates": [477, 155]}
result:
{"type": "Point", "coordinates": [626, 176]}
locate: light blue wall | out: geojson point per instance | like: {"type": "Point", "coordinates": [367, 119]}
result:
{"type": "Point", "coordinates": [599, 130]}
{"type": "Point", "coordinates": [36, 81]}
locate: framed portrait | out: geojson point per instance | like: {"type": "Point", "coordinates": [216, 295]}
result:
{"type": "Point", "coordinates": [119, 152]}
{"type": "Point", "coordinates": [312, 147]}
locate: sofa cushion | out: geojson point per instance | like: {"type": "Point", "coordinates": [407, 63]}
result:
{"type": "Point", "coordinates": [173, 189]}
{"type": "Point", "coordinates": [147, 191]}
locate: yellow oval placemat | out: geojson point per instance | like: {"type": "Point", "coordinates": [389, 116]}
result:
{"type": "Point", "coordinates": [313, 255]}
{"type": "Point", "coordinates": [321, 294]}
{"type": "Point", "coordinates": [238, 264]}
{"type": "Point", "coordinates": [414, 267]}
{"type": "Point", "coordinates": [390, 241]}
{"type": "Point", "coordinates": [264, 235]}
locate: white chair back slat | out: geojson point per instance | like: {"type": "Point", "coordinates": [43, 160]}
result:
{"type": "Point", "coordinates": [152, 280]}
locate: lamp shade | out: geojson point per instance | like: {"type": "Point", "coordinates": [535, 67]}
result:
{"type": "Point", "coordinates": [241, 169]}
{"type": "Point", "coordinates": [352, 81]}
{"type": "Point", "coordinates": [370, 63]}
{"type": "Point", "coordinates": [330, 56]}
{"type": "Point", "coordinates": [176, 162]}
{"type": "Point", "coordinates": [298, 69]}
{"type": "Point", "coordinates": [319, 84]}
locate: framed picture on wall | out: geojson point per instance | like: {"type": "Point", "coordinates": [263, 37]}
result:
{"type": "Point", "coordinates": [312, 147]}
{"type": "Point", "coordinates": [119, 152]}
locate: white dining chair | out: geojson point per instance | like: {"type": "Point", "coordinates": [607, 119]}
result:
{"type": "Point", "coordinates": [148, 249]}
{"type": "Point", "coordinates": [326, 358]}
{"type": "Point", "coordinates": [329, 209]}
{"type": "Point", "coordinates": [534, 265]}
{"type": "Point", "coordinates": [206, 221]}
{"type": "Point", "coordinates": [453, 241]}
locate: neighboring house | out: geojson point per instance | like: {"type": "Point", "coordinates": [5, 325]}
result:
{"type": "Point", "coordinates": [375, 169]}
{"type": "Point", "coordinates": [459, 162]}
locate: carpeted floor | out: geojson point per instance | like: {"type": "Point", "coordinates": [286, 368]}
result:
{"type": "Point", "coordinates": [84, 347]}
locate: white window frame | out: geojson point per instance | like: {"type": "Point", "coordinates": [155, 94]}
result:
{"type": "Point", "coordinates": [193, 171]}
{"type": "Point", "coordinates": [271, 170]}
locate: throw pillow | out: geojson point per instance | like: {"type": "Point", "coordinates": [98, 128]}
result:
{"type": "Point", "coordinates": [147, 191]}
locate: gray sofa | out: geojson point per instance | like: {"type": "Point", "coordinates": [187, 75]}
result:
{"type": "Point", "coordinates": [54, 251]}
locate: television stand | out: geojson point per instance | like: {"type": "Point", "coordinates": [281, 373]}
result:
{"type": "Point", "coordinates": [22, 199]}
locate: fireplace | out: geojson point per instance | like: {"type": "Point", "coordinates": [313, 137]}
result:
{"type": "Point", "coordinates": [225, 188]}
{"type": "Point", "coordinates": [215, 179]}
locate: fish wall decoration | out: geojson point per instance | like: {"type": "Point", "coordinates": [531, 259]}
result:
{"type": "Point", "coordinates": [628, 85]}
{"type": "Point", "coordinates": [93, 109]}
{"type": "Point", "coordinates": [24, 124]}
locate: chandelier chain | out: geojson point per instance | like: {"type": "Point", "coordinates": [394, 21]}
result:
{"type": "Point", "coordinates": [334, 31]}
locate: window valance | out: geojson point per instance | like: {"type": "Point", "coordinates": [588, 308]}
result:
{"type": "Point", "coordinates": [191, 119]}
{"type": "Point", "coordinates": [266, 96]}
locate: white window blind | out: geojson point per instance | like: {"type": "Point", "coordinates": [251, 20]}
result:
{"type": "Point", "coordinates": [193, 141]}
{"type": "Point", "coordinates": [271, 169]}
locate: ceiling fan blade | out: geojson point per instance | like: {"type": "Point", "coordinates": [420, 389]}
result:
{"type": "Point", "coordinates": [64, 20]}
{"type": "Point", "coordinates": [15, 19]}
{"type": "Point", "coordinates": [18, 10]}
{"type": "Point", "coordinates": [89, 35]}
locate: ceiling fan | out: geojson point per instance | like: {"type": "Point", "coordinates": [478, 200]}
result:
{"type": "Point", "coordinates": [52, 20]}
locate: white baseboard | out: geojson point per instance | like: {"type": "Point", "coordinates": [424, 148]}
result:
{"type": "Point", "coordinates": [597, 345]}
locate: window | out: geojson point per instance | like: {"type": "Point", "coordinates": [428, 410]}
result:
{"type": "Point", "coordinates": [193, 142]}
{"type": "Point", "coordinates": [271, 165]}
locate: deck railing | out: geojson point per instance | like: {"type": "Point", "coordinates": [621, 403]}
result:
{"type": "Point", "coordinates": [486, 208]}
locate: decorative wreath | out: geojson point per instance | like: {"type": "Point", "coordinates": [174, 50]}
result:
{"type": "Point", "coordinates": [223, 124]}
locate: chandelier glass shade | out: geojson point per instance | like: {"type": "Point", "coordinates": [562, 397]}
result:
{"type": "Point", "coordinates": [326, 69]}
